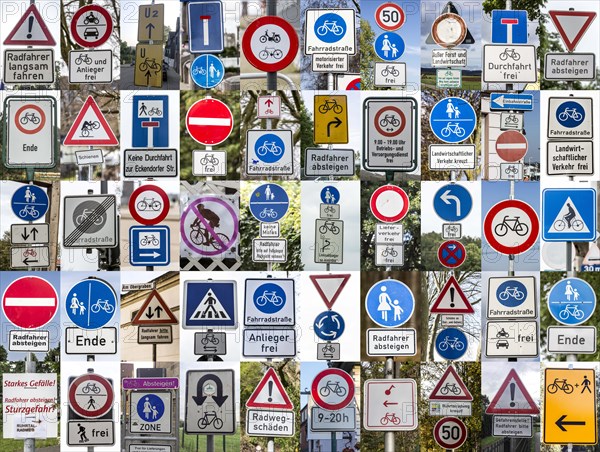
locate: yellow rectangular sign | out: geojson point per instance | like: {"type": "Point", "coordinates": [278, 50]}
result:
{"type": "Point", "coordinates": [148, 65]}
{"type": "Point", "coordinates": [151, 23]}
{"type": "Point", "coordinates": [570, 406]}
{"type": "Point", "coordinates": [331, 120]}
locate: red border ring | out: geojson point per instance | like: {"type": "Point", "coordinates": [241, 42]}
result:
{"type": "Point", "coordinates": [73, 27]}
{"type": "Point", "coordinates": [528, 210]}
{"type": "Point", "coordinates": [315, 386]}
{"type": "Point", "coordinates": [286, 60]}
{"type": "Point", "coordinates": [460, 245]}
{"type": "Point", "coordinates": [133, 199]}
{"type": "Point", "coordinates": [438, 426]}
{"type": "Point", "coordinates": [37, 129]}
{"type": "Point", "coordinates": [379, 191]}
{"type": "Point", "coordinates": [110, 396]}
{"type": "Point", "coordinates": [400, 11]}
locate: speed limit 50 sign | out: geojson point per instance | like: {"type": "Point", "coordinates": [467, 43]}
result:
{"type": "Point", "coordinates": [389, 16]}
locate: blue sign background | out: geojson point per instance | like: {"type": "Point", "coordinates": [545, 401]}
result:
{"type": "Point", "coordinates": [389, 46]}
{"type": "Point", "coordinates": [511, 293]}
{"type": "Point", "coordinates": [269, 148]}
{"type": "Point", "coordinates": [141, 113]}
{"type": "Point", "coordinates": [500, 30]}
{"type": "Point", "coordinates": [452, 120]}
{"type": "Point", "coordinates": [330, 195]}
{"type": "Point", "coordinates": [448, 209]}
{"type": "Point", "coordinates": [451, 343]}
{"type": "Point", "coordinates": [390, 303]}
{"type": "Point", "coordinates": [214, 26]}
{"type": "Point", "coordinates": [571, 301]}
{"type": "Point", "coordinates": [91, 303]}
{"type": "Point", "coordinates": [270, 290]}
{"type": "Point", "coordinates": [269, 203]}
{"type": "Point", "coordinates": [149, 403]}
{"type": "Point", "coordinates": [149, 245]}
{"type": "Point", "coordinates": [511, 101]}
{"type": "Point", "coordinates": [570, 114]}
{"type": "Point", "coordinates": [451, 255]}
{"type": "Point", "coordinates": [329, 325]}
{"type": "Point", "coordinates": [555, 226]}
{"type": "Point", "coordinates": [29, 202]}
{"type": "Point", "coordinates": [330, 28]}
{"type": "Point", "coordinates": [195, 292]}
{"type": "Point", "coordinates": [207, 71]}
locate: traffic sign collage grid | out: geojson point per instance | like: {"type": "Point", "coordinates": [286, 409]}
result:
{"type": "Point", "coordinates": [446, 217]}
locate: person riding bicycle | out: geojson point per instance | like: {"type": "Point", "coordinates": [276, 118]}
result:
{"type": "Point", "coordinates": [87, 125]}
{"type": "Point", "coordinates": [212, 218]}
{"type": "Point", "coordinates": [570, 215]}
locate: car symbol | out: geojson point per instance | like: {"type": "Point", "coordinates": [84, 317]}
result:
{"type": "Point", "coordinates": [91, 32]}
{"type": "Point", "coordinates": [502, 343]}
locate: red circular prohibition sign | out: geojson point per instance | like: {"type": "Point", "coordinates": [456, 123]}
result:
{"type": "Point", "coordinates": [518, 248]}
{"type": "Point", "coordinates": [314, 389]}
{"type": "Point", "coordinates": [91, 381]}
{"type": "Point", "coordinates": [252, 54]}
{"type": "Point", "coordinates": [395, 132]}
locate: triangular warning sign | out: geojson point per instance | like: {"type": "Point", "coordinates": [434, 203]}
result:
{"type": "Point", "coordinates": [30, 30]}
{"type": "Point", "coordinates": [210, 308]}
{"type": "Point", "coordinates": [572, 25]}
{"type": "Point", "coordinates": [450, 387]}
{"type": "Point", "coordinates": [560, 224]}
{"type": "Point", "coordinates": [90, 128]}
{"type": "Point", "coordinates": [512, 398]}
{"type": "Point", "coordinates": [452, 300]}
{"type": "Point", "coordinates": [329, 287]}
{"type": "Point", "coordinates": [154, 311]}
{"type": "Point", "coordinates": [450, 8]}
{"type": "Point", "coordinates": [270, 393]}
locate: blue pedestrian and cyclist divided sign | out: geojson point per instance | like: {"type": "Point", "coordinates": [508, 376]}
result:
{"type": "Point", "coordinates": [91, 303]}
{"type": "Point", "coordinates": [29, 203]}
{"type": "Point", "coordinates": [207, 71]}
{"type": "Point", "coordinates": [509, 26]}
{"type": "Point", "coordinates": [149, 245]}
{"type": "Point", "coordinates": [569, 215]}
{"type": "Point", "coordinates": [329, 325]}
{"type": "Point", "coordinates": [205, 26]}
{"type": "Point", "coordinates": [150, 125]}
{"type": "Point", "coordinates": [452, 120]}
{"type": "Point", "coordinates": [269, 203]}
{"type": "Point", "coordinates": [571, 301]}
{"type": "Point", "coordinates": [390, 303]}
{"type": "Point", "coordinates": [452, 202]}
{"type": "Point", "coordinates": [451, 343]}
{"type": "Point", "coordinates": [209, 304]}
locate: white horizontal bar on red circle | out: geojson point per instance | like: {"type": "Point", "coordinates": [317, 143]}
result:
{"type": "Point", "coordinates": [26, 301]}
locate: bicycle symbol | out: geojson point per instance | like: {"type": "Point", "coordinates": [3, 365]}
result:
{"type": "Point", "coordinates": [210, 417]}
{"type": "Point", "coordinates": [104, 305]}
{"type": "Point", "coordinates": [198, 71]}
{"type": "Point", "coordinates": [332, 387]}
{"type": "Point", "coordinates": [209, 160]}
{"type": "Point", "coordinates": [83, 58]}
{"type": "Point", "coordinates": [87, 127]}
{"type": "Point", "coordinates": [511, 224]}
{"type": "Point", "coordinates": [452, 128]}
{"type": "Point", "coordinates": [511, 169]}
{"type": "Point", "coordinates": [328, 349]}
{"type": "Point", "coordinates": [571, 310]}
{"type": "Point", "coordinates": [390, 70]}
{"type": "Point", "coordinates": [84, 216]}
{"type": "Point", "coordinates": [389, 251]}
{"type": "Point", "coordinates": [450, 388]}
{"type": "Point", "coordinates": [561, 224]}
{"type": "Point", "coordinates": [329, 209]}
{"type": "Point", "coordinates": [150, 64]}
{"type": "Point", "coordinates": [270, 52]}
{"type": "Point", "coordinates": [571, 113]}
{"type": "Point", "coordinates": [560, 384]}
{"type": "Point", "coordinates": [149, 203]}
{"type": "Point", "coordinates": [511, 292]}
{"type": "Point", "coordinates": [452, 229]}
{"type": "Point", "coordinates": [90, 387]}
{"type": "Point", "coordinates": [389, 119]}
{"type": "Point", "coordinates": [154, 111]}
{"type": "Point", "coordinates": [330, 26]}
{"type": "Point", "coordinates": [511, 119]}
{"type": "Point", "coordinates": [268, 213]}
{"type": "Point", "coordinates": [390, 417]}
{"type": "Point", "coordinates": [199, 234]}
{"type": "Point", "coordinates": [454, 344]}
{"type": "Point", "coordinates": [269, 146]}
{"type": "Point", "coordinates": [27, 211]}
{"type": "Point", "coordinates": [210, 337]}
{"type": "Point", "coordinates": [510, 53]}
{"type": "Point", "coordinates": [30, 252]}
{"type": "Point", "coordinates": [149, 240]}
{"type": "Point", "coordinates": [330, 104]}
{"type": "Point", "coordinates": [329, 226]}
{"type": "Point", "coordinates": [29, 117]}
{"type": "Point", "coordinates": [274, 37]}
{"type": "Point", "coordinates": [269, 297]}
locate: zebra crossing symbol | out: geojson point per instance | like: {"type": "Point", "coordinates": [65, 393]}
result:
{"type": "Point", "coordinates": [210, 308]}
{"type": "Point", "coordinates": [209, 304]}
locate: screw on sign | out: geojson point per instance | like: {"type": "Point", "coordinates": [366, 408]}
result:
{"type": "Point", "coordinates": [270, 43]}
{"type": "Point", "coordinates": [511, 226]}
{"type": "Point", "coordinates": [29, 203]}
{"type": "Point", "coordinates": [389, 16]}
{"type": "Point", "coordinates": [209, 121]}
{"type": "Point", "coordinates": [332, 389]}
{"type": "Point", "coordinates": [389, 204]}
{"type": "Point", "coordinates": [91, 26]}
{"type": "Point", "coordinates": [511, 146]}
{"type": "Point", "coordinates": [452, 254]}
{"type": "Point", "coordinates": [91, 395]}
{"type": "Point", "coordinates": [149, 205]}
{"type": "Point", "coordinates": [450, 432]}
{"type": "Point", "coordinates": [30, 302]}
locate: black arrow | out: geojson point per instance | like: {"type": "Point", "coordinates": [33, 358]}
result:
{"type": "Point", "coordinates": [150, 27]}
{"type": "Point", "coordinates": [560, 422]}
{"type": "Point", "coordinates": [149, 314]}
{"type": "Point", "coordinates": [26, 261]}
{"type": "Point", "coordinates": [337, 122]}
{"type": "Point", "coordinates": [219, 398]}
{"type": "Point", "coordinates": [157, 311]}
{"type": "Point", "coordinates": [148, 75]}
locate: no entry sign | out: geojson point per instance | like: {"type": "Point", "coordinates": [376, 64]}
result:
{"type": "Point", "coordinates": [209, 121]}
{"type": "Point", "coordinates": [389, 203]}
{"type": "Point", "coordinates": [91, 395]}
{"type": "Point", "coordinates": [511, 226]}
{"type": "Point", "coordinates": [30, 302]}
{"type": "Point", "coordinates": [270, 43]}
{"type": "Point", "coordinates": [511, 146]}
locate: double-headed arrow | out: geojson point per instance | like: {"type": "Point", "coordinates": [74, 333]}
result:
{"type": "Point", "coordinates": [25, 236]}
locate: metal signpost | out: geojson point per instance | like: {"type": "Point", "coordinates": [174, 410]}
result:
{"type": "Point", "coordinates": [390, 405]}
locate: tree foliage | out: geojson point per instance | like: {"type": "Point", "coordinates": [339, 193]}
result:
{"type": "Point", "coordinates": [430, 243]}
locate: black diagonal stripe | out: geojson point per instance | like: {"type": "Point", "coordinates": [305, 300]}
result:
{"type": "Point", "coordinates": [89, 221]}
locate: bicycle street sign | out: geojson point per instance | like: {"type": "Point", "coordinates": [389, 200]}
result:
{"type": "Point", "coordinates": [512, 338]}
{"type": "Point", "coordinates": [90, 127]}
{"type": "Point", "coordinates": [209, 304]}
{"type": "Point", "coordinates": [511, 226]}
{"type": "Point", "coordinates": [451, 343]}
{"type": "Point", "coordinates": [209, 163]}
{"type": "Point", "coordinates": [270, 43]}
{"type": "Point", "coordinates": [504, 63]}
{"type": "Point", "coordinates": [451, 387]}
{"type": "Point", "coordinates": [511, 121]}
{"type": "Point", "coordinates": [329, 325]}
{"type": "Point", "coordinates": [25, 257]}
{"type": "Point", "coordinates": [569, 215]}
{"type": "Point", "coordinates": [390, 255]}
{"type": "Point", "coordinates": [91, 26]}
{"type": "Point", "coordinates": [450, 433]}
{"type": "Point", "coordinates": [90, 304]}
{"type": "Point", "coordinates": [90, 221]}
{"type": "Point", "coordinates": [209, 121]}
{"type": "Point", "coordinates": [150, 121]}
{"type": "Point", "coordinates": [210, 343]}
{"type": "Point", "coordinates": [329, 241]}
{"type": "Point", "coordinates": [210, 402]}
{"type": "Point", "coordinates": [328, 351]}
{"type": "Point", "coordinates": [330, 31]}
{"type": "Point", "coordinates": [269, 302]}
{"type": "Point", "coordinates": [511, 297]}
{"type": "Point", "coordinates": [512, 398]}
{"type": "Point", "coordinates": [331, 119]}
{"type": "Point", "coordinates": [390, 303]}
{"type": "Point", "coordinates": [41, 59]}
{"type": "Point", "coordinates": [269, 203]}
{"type": "Point", "coordinates": [571, 301]}
{"type": "Point", "coordinates": [30, 302]}
{"type": "Point", "coordinates": [205, 26]}
{"type": "Point", "coordinates": [452, 120]}
{"type": "Point", "coordinates": [91, 395]}
{"type": "Point", "coordinates": [390, 405]}
{"type": "Point", "coordinates": [332, 389]}
{"type": "Point", "coordinates": [390, 75]}
{"type": "Point", "coordinates": [149, 204]}
{"type": "Point", "coordinates": [269, 152]}
{"type": "Point", "coordinates": [150, 412]}
{"type": "Point", "coordinates": [148, 65]}
{"type": "Point", "coordinates": [29, 202]}
{"type": "Point", "coordinates": [570, 117]}
{"type": "Point", "coordinates": [207, 71]}
{"type": "Point", "coordinates": [90, 66]}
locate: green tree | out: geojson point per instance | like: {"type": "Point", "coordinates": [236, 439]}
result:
{"type": "Point", "coordinates": [368, 57]}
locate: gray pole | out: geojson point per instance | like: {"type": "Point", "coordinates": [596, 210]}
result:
{"type": "Point", "coordinates": [271, 76]}
{"type": "Point", "coordinates": [389, 445]}
{"type": "Point", "coordinates": [29, 444]}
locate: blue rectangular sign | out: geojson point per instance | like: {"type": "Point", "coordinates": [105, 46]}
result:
{"type": "Point", "coordinates": [209, 304]}
{"type": "Point", "coordinates": [509, 26]}
{"type": "Point", "coordinates": [569, 215]}
{"type": "Point", "coordinates": [150, 125]}
{"type": "Point", "coordinates": [205, 27]}
{"type": "Point", "coordinates": [510, 101]}
{"type": "Point", "coordinates": [149, 245]}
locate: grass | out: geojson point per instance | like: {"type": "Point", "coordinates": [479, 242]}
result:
{"type": "Point", "coordinates": [232, 442]}
{"type": "Point", "coordinates": [16, 445]}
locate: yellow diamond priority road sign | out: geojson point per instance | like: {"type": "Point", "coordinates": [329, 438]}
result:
{"type": "Point", "coordinates": [570, 407]}
{"type": "Point", "coordinates": [331, 119]}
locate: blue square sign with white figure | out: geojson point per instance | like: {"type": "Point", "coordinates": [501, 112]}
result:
{"type": "Point", "coordinates": [209, 304]}
{"type": "Point", "coordinates": [149, 245]}
{"type": "Point", "coordinates": [569, 215]}
{"type": "Point", "coordinates": [150, 125]}
{"type": "Point", "coordinates": [509, 26]}
{"type": "Point", "coordinates": [205, 26]}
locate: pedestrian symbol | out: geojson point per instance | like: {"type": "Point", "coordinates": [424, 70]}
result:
{"type": "Point", "coordinates": [330, 27]}
{"type": "Point", "coordinates": [150, 408]}
{"type": "Point", "coordinates": [91, 303]}
{"type": "Point", "coordinates": [390, 303]}
{"type": "Point", "coordinates": [452, 120]}
{"type": "Point", "coordinates": [389, 46]}
{"type": "Point", "coordinates": [210, 308]}
{"type": "Point", "coordinates": [82, 434]}
{"type": "Point", "coordinates": [571, 301]}
{"type": "Point", "coordinates": [209, 304]}
{"type": "Point", "coordinates": [269, 203]}
{"type": "Point", "coordinates": [29, 203]}
{"type": "Point", "coordinates": [330, 195]}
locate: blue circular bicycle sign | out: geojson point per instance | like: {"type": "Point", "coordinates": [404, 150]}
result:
{"type": "Point", "coordinates": [29, 202]}
{"type": "Point", "coordinates": [451, 343]}
{"type": "Point", "coordinates": [570, 114]}
{"type": "Point", "coordinates": [91, 303]}
{"type": "Point", "coordinates": [269, 298]}
{"type": "Point", "coordinates": [452, 120]}
{"type": "Point", "coordinates": [330, 27]}
{"type": "Point", "coordinates": [511, 293]}
{"type": "Point", "coordinates": [571, 301]}
{"type": "Point", "coordinates": [207, 71]}
{"type": "Point", "coordinates": [269, 203]}
{"type": "Point", "coordinates": [269, 148]}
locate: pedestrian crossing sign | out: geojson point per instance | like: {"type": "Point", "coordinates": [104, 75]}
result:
{"type": "Point", "coordinates": [569, 215]}
{"type": "Point", "coordinates": [208, 304]}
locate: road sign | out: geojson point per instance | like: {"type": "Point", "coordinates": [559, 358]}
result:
{"type": "Point", "coordinates": [451, 343]}
{"type": "Point", "coordinates": [447, 58]}
{"type": "Point", "coordinates": [29, 202]}
{"type": "Point", "coordinates": [209, 121]}
{"type": "Point", "coordinates": [455, 157]}
{"type": "Point", "coordinates": [90, 66]}
{"type": "Point", "coordinates": [331, 119]}
{"type": "Point", "coordinates": [149, 245]}
{"type": "Point", "coordinates": [91, 26]}
{"type": "Point", "coordinates": [391, 342]}
{"type": "Point", "coordinates": [151, 22]}
{"type": "Point", "coordinates": [390, 303]}
{"type": "Point", "coordinates": [389, 203]}
{"type": "Point", "coordinates": [330, 195]}
{"type": "Point", "coordinates": [329, 325]}
{"type": "Point", "coordinates": [209, 304]}
{"type": "Point", "coordinates": [450, 433]}
{"type": "Point", "coordinates": [89, 157]}
{"type": "Point", "coordinates": [148, 65]}
{"type": "Point", "coordinates": [150, 163]}
{"type": "Point", "coordinates": [571, 301]}
{"type": "Point", "coordinates": [30, 137]}
{"type": "Point", "coordinates": [452, 202]}
{"type": "Point", "coordinates": [570, 158]}
{"type": "Point", "coordinates": [511, 145]}
{"type": "Point", "coordinates": [330, 286]}
{"type": "Point", "coordinates": [269, 203]}
{"type": "Point", "coordinates": [205, 26]}
{"type": "Point", "coordinates": [509, 26]}
{"type": "Point", "coordinates": [30, 30]}
{"type": "Point", "coordinates": [389, 46]}
{"type": "Point", "coordinates": [572, 25]}
{"type": "Point", "coordinates": [575, 340]}
{"type": "Point", "coordinates": [389, 137]}
{"type": "Point", "coordinates": [270, 393]}
{"type": "Point", "coordinates": [328, 351]}
{"type": "Point", "coordinates": [329, 211]}
{"type": "Point", "coordinates": [449, 29]}
{"type": "Point", "coordinates": [451, 300]}
{"type": "Point", "coordinates": [270, 43]}
{"type": "Point", "coordinates": [343, 420]}
{"type": "Point", "coordinates": [330, 31]}
{"type": "Point", "coordinates": [389, 255]}
{"type": "Point", "coordinates": [269, 343]}
{"type": "Point", "coordinates": [90, 433]}
{"type": "Point", "coordinates": [269, 152]}
{"type": "Point", "coordinates": [509, 64]}
{"type": "Point", "coordinates": [269, 302]}
{"type": "Point", "coordinates": [329, 241]}
{"type": "Point", "coordinates": [268, 107]}
{"type": "Point", "coordinates": [91, 303]}
{"type": "Point", "coordinates": [511, 171]}
{"type": "Point", "coordinates": [149, 204]}
{"type": "Point", "coordinates": [569, 214]}
{"type": "Point", "coordinates": [452, 120]}
{"type": "Point", "coordinates": [512, 426]}
{"type": "Point", "coordinates": [150, 412]}
{"type": "Point", "coordinates": [323, 162]}
{"type": "Point", "coordinates": [90, 127]}
{"type": "Point", "coordinates": [570, 407]}
{"type": "Point", "coordinates": [25, 257]}
{"type": "Point", "coordinates": [150, 122]}
{"type": "Point", "coordinates": [386, 233]}
{"type": "Point", "coordinates": [332, 389]}
{"type": "Point", "coordinates": [389, 16]}
{"type": "Point", "coordinates": [150, 383]}
{"type": "Point", "coordinates": [569, 66]}
{"type": "Point", "coordinates": [209, 226]}
{"type": "Point", "coordinates": [207, 71]}
{"type": "Point", "coordinates": [91, 395]}
{"type": "Point", "coordinates": [390, 405]}
{"type": "Point", "coordinates": [450, 387]}
{"type": "Point", "coordinates": [102, 341]}
{"type": "Point", "coordinates": [448, 78]}
{"type": "Point", "coordinates": [570, 117]}
{"type": "Point", "coordinates": [451, 231]}
{"type": "Point", "coordinates": [452, 254]}
{"type": "Point", "coordinates": [90, 221]}
{"type": "Point", "coordinates": [511, 338]}
{"type": "Point", "coordinates": [205, 163]}
{"type": "Point", "coordinates": [511, 101]}
{"type": "Point", "coordinates": [347, 82]}
{"type": "Point", "coordinates": [161, 334]}
{"type": "Point", "coordinates": [269, 250]}
{"type": "Point", "coordinates": [154, 311]}
{"type": "Point", "coordinates": [326, 62]}
{"type": "Point", "coordinates": [30, 302]}
{"type": "Point", "coordinates": [511, 121]}
{"type": "Point", "coordinates": [511, 297]}
{"type": "Point", "coordinates": [272, 423]}
{"type": "Point", "coordinates": [19, 66]}
{"type": "Point", "coordinates": [210, 402]}
{"type": "Point", "coordinates": [512, 398]}
{"type": "Point", "coordinates": [390, 75]}
{"type": "Point", "coordinates": [210, 343]}
{"type": "Point", "coordinates": [511, 226]}
{"type": "Point", "coordinates": [29, 341]}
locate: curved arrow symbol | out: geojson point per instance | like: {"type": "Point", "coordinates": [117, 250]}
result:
{"type": "Point", "coordinates": [336, 122]}
{"type": "Point", "coordinates": [219, 398]}
{"type": "Point", "coordinates": [447, 198]}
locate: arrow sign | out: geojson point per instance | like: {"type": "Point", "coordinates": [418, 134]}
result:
{"type": "Point", "coordinates": [154, 311]}
{"type": "Point", "coordinates": [560, 422]}
{"type": "Point", "coordinates": [218, 397]}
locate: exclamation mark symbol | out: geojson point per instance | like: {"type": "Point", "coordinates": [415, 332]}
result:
{"type": "Point", "coordinates": [512, 395]}
{"type": "Point", "coordinates": [29, 35]}
{"type": "Point", "coordinates": [270, 384]}
{"type": "Point", "coordinates": [451, 297]}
